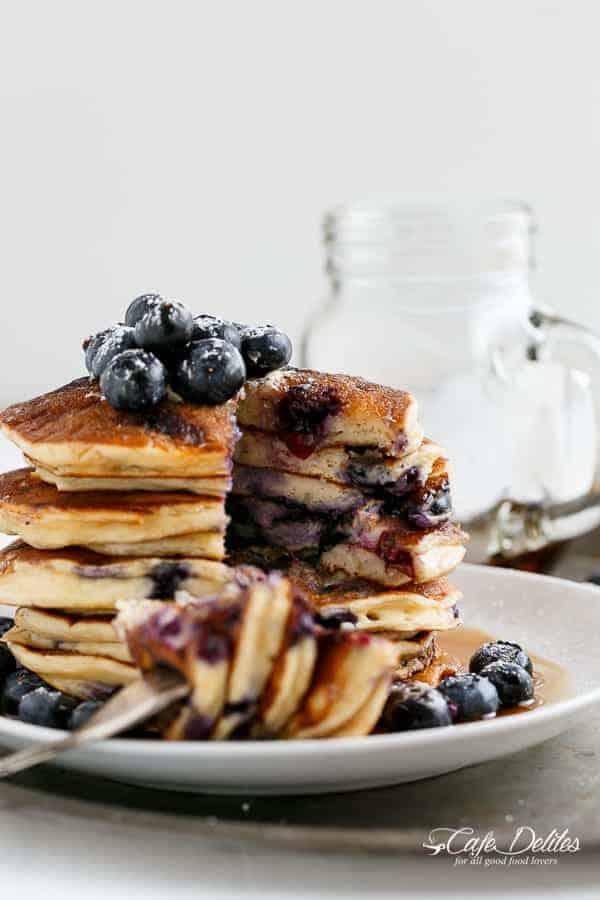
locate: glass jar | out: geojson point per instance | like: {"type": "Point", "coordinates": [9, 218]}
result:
{"type": "Point", "coordinates": [438, 300]}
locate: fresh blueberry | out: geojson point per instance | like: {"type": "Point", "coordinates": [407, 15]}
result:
{"type": "Point", "coordinates": [83, 712]}
{"type": "Point", "coordinates": [512, 682]}
{"type": "Point", "coordinates": [163, 326]}
{"type": "Point", "coordinates": [469, 697]}
{"type": "Point", "coordinates": [412, 705]}
{"type": "Point", "coordinates": [506, 651]}
{"type": "Point", "coordinates": [213, 327]}
{"type": "Point", "coordinates": [264, 349]}
{"type": "Point", "coordinates": [120, 339]}
{"type": "Point", "coordinates": [92, 345]}
{"type": "Point", "coordinates": [44, 706]}
{"type": "Point", "coordinates": [139, 307]}
{"type": "Point", "coordinates": [211, 373]}
{"type": "Point", "coordinates": [16, 686]}
{"type": "Point", "coordinates": [134, 380]}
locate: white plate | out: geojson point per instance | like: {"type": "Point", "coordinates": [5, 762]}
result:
{"type": "Point", "coordinates": [553, 618]}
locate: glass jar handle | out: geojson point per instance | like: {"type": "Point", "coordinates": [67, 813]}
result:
{"type": "Point", "coordinates": [520, 528]}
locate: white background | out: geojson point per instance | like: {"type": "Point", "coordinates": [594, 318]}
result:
{"type": "Point", "coordinates": [191, 147]}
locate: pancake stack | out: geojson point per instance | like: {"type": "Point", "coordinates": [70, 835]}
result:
{"type": "Point", "coordinates": [113, 506]}
{"type": "Point", "coordinates": [326, 476]}
{"type": "Point", "coordinates": [334, 481]}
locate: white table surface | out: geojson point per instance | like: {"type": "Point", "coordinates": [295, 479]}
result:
{"type": "Point", "coordinates": [47, 855]}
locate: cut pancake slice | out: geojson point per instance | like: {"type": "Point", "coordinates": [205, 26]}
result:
{"type": "Point", "coordinates": [73, 431]}
{"type": "Point", "coordinates": [312, 494]}
{"type": "Point", "coordinates": [78, 579]}
{"type": "Point", "coordinates": [362, 467]}
{"type": "Point", "coordinates": [99, 674]}
{"type": "Point", "coordinates": [47, 518]}
{"type": "Point", "coordinates": [208, 487]}
{"type": "Point", "coordinates": [418, 565]}
{"type": "Point", "coordinates": [349, 688]}
{"type": "Point", "coordinates": [308, 410]}
{"type": "Point", "coordinates": [261, 630]}
{"type": "Point", "coordinates": [225, 647]}
{"type": "Point", "coordinates": [385, 550]}
{"type": "Point", "coordinates": [291, 674]}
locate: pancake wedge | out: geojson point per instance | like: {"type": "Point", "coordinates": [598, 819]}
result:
{"type": "Point", "coordinates": [46, 518]}
{"type": "Point", "coordinates": [266, 606]}
{"type": "Point", "coordinates": [361, 467]}
{"type": "Point", "coordinates": [308, 410]}
{"type": "Point", "coordinates": [73, 431]}
{"type": "Point", "coordinates": [349, 688]}
{"type": "Point", "coordinates": [78, 579]}
{"type": "Point", "coordinates": [291, 673]}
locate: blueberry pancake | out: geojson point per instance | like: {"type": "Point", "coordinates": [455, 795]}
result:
{"type": "Point", "coordinates": [47, 518]}
{"type": "Point", "coordinates": [349, 688]}
{"type": "Point", "coordinates": [309, 410]}
{"type": "Point", "coordinates": [357, 603]}
{"type": "Point", "coordinates": [361, 467]}
{"type": "Point", "coordinates": [383, 550]}
{"type": "Point", "coordinates": [226, 648]}
{"type": "Point", "coordinates": [73, 431]}
{"type": "Point", "coordinates": [305, 513]}
{"type": "Point", "coordinates": [78, 579]}
{"type": "Point", "coordinates": [238, 653]}
{"type": "Point", "coordinates": [89, 675]}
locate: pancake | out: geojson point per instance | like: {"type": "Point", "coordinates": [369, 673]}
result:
{"type": "Point", "coordinates": [46, 518]}
{"type": "Point", "coordinates": [73, 431]}
{"type": "Point", "coordinates": [313, 494]}
{"type": "Point", "coordinates": [261, 633]}
{"type": "Point", "coordinates": [218, 486]}
{"type": "Point", "coordinates": [78, 579]}
{"type": "Point", "coordinates": [241, 655]}
{"type": "Point", "coordinates": [225, 647]}
{"type": "Point", "coordinates": [291, 673]}
{"type": "Point", "coordinates": [89, 675]}
{"type": "Point", "coordinates": [414, 655]}
{"type": "Point", "coordinates": [61, 626]}
{"type": "Point", "coordinates": [385, 550]}
{"type": "Point", "coordinates": [308, 410]}
{"type": "Point", "coordinates": [419, 566]}
{"type": "Point", "coordinates": [115, 650]}
{"type": "Point", "coordinates": [348, 690]}
{"type": "Point", "coordinates": [203, 544]}
{"type": "Point", "coordinates": [363, 467]}
{"type": "Point", "coordinates": [360, 604]}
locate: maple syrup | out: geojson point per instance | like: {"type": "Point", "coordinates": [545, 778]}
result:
{"type": "Point", "coordinates": [552, 681]}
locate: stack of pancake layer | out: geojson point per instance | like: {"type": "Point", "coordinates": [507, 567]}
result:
{"type": "Point", "coordinates": [334, 479]}
{"type": "Point", "coordinates": [257, 665]}
{"type": "Point", "coordinates": [113, 506]}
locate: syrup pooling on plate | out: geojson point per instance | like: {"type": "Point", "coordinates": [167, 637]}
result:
{"type": "Point", "coordinates": [552, 681]}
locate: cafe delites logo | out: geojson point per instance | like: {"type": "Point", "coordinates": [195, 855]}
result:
{"type": "Point", "coordinates": [467, 847]}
